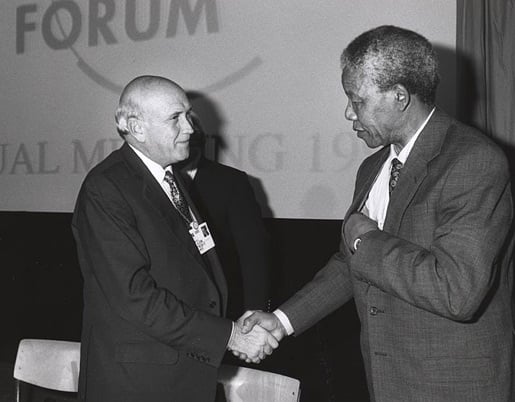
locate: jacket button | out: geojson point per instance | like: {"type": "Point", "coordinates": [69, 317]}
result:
{"type": "Point", "coordinates": [212, 304]}
{"type": "Point", "coordinates": [373, 310]}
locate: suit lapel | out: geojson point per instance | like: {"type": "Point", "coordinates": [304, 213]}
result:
{"type": "Point", "coordinates": [369, 175]}
{"type": "Point", "coordinates": [158, 200]}
{"type": "Point", "coordinates": [426, 148]}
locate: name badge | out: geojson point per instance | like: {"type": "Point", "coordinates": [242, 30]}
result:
{"type": "Point", "coordinates": [202, 237]}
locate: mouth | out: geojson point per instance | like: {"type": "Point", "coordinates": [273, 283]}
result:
{"type": "Point", "coordinates": [183, 142]}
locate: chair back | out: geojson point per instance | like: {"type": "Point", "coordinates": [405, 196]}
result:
{"type": "Point", "coordinates": [48, 364]}
{"type": "Point", "coordinates": [243, 384]}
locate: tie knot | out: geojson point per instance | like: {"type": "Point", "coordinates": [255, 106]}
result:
{"type": "Point", "coordinates": [169, 177]}
{"type": "Point", "coordinates": [396, 164]}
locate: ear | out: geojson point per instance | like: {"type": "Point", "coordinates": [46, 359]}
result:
{"type": "Point", "coordinates": [136, 129]}
{"type": "Point", "coordinates": [401, 96]}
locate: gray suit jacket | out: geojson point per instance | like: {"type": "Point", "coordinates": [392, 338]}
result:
{"type": "Point", "coordinates": [432, 289]}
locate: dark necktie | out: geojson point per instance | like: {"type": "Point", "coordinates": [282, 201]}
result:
{"type": "Point", "coordinates": [394, 173]}
{"type": "Point", "coordinates": [178, 200]}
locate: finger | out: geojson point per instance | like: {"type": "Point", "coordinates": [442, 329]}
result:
{"type": "Point", "coordinates": [245, 315]}
{"type": "Point", "coordinates": [268, 350]}
{"type": "Point", "coordinates": [272, 341]}
{"type": "Point", "coordinates": [242, 356]}
{"type": "Point", "coordinates": [250, 322]}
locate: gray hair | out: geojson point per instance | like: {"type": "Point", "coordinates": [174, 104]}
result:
{"type": "Point", "coordinates": [394, 55]}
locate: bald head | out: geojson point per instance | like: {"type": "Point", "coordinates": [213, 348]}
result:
{"type": "Point", "coordinates": [153, 116]}
{"type": "Point", "coordinates": [138, 96]}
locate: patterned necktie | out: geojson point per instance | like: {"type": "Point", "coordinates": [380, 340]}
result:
{"type": "Point", "coordinates": [178, 200]}
{"type": "Point", "coordinates": [394, 173]}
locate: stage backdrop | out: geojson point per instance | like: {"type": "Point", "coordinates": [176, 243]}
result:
{"type": "Point", "coordinates": [264, 77]}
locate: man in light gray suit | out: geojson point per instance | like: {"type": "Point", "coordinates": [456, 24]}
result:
{"type": "Point", "coordinates": [425, 250]}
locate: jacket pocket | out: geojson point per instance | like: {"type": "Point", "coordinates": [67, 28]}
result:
{"type": "Point", "coordinates": [145, 352]}
{"type": "Point", "coordinates": [454, 370]}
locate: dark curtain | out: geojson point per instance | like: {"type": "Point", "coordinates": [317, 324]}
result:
{"type": "Point", "coordinates": [485, 45]}
{"type": "Point", "coordinates": [485, 42]}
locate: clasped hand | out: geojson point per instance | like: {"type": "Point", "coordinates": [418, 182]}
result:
{"type": "Point", "coordinates": [357, 225]}
{"type": "Point", "coordinates": [256, 334]}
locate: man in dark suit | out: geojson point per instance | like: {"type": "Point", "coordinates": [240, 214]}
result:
{"type": "Point", "coordinates": [226, 201]}
{"type": "Point", "coordinates": [154, 292]}
{"type": "Point", "coordinates": [425, 250]}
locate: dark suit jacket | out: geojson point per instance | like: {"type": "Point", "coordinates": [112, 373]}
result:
{"type": "Point", "coordinates": [227, 202]}
{"type": "Point", "coordinates": [433, 288]}
{"type": "Point", "coordinates": [152, 326]}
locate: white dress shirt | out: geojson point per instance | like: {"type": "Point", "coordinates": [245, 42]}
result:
{"type": "Point", "coordinates": [379, 196]}
{"type": "Point", "coordinates": [159, 174]}
{"type": "Point", "coordinates": [157, 171]}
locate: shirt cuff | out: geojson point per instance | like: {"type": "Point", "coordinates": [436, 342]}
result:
{"type": "Point", "coordinates": [230, 338]}
{"type": "Point", "coordinates": [284, 321]}
{"type": "Point", "coordinates": [356, 243]}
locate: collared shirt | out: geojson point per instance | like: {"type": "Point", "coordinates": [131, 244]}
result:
{"type": "Point", "coordinates": [159, 174]}
{"type": "Point", "coordinates": [157, 171]}
{"type": "Point", "coordinates": [379, 195]}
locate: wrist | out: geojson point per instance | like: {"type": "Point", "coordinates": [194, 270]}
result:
{"type": "Point", "coordinates": [231, 338]}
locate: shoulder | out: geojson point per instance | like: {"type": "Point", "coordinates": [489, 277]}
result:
{"type": "Point", "coordinates": [463, 142]}
{"type": "Point", "coordinates": [216, 169]}
{"type": "Point", "coordinates": [107, 174]}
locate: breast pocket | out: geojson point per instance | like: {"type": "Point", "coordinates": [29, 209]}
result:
{"type": "Point", "coordinates": [477, 370]}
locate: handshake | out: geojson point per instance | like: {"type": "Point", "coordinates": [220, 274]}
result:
{"type": "Point", "coordinates": [255, 335]}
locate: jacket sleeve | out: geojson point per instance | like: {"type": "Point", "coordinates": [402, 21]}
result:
{"type": "Point", "coordinates": [452, 274]}
{"type": "Point", "coordinates": [328, 290]}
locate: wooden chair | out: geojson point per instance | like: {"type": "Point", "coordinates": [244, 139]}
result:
{"type": "Point", "coordinates": [47, 365]}
{"type": "Point", "coordinates": [241, 384]}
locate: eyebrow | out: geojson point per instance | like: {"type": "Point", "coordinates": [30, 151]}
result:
{"type": "Point", "coordinates": [179, 111]}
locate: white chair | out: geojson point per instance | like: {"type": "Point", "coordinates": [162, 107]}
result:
{"type": "Point", "coordinates": [243, 384]}
{"type": "Point", "coordinates": [54, 365]}
{"type": "Point", "coordinates": [48, 364]}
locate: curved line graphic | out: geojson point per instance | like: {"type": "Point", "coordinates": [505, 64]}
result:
{"type": "Point", "coordinates": [104, 82]}
{"type": "Point", "coordinates": [97, 77]}
{"type": "Point", "coordinates": [235, 76]}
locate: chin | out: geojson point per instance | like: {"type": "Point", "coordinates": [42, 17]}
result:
{"type": "Point", "coordinates": [372, 144]}
{"type": "Point", "coordinates": [184, 155]}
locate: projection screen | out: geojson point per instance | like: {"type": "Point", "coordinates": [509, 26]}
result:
{"type": "Point", "coordinates": [264, 78]}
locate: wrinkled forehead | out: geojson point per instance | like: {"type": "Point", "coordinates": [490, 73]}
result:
{"type": "Point", "coordinates": [358, 79]}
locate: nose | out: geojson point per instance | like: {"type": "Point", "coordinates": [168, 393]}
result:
{"type": "Point", "coordinates": [349, 112]}
{"type": "Point", "coordinates": [187, 126]}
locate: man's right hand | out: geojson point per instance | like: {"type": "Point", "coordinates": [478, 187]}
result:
{"type": "Point", "coordinates": [268, 321]}
{"type": "Point", "coordinates": [251, 345]}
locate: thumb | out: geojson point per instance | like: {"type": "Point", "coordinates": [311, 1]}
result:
{"type": "Point", "coordinates": [249, 323]}
{"type": "Point", "coordinates": [245, 315]}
